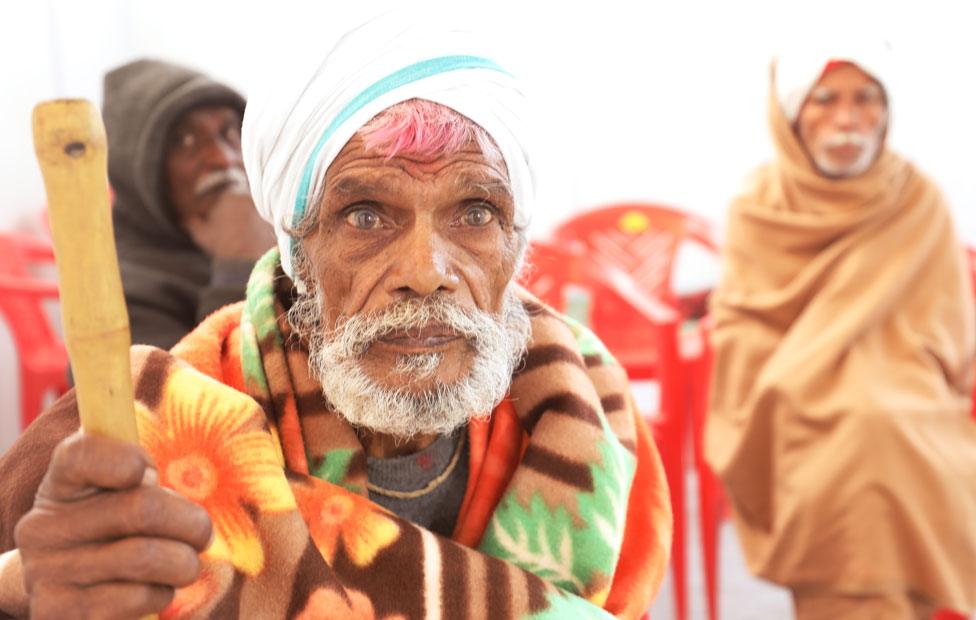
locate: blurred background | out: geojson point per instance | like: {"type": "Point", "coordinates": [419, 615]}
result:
{"type": "Point", "coordinates": [650, 101]}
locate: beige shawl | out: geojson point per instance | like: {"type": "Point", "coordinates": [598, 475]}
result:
{"type": "Point", "coordinates": [844, 347]}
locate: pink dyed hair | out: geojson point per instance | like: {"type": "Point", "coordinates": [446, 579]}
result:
{"type": "Point", "coordinates": [413, 127]}
{"type": "Point", "coordinates": [425, 129]}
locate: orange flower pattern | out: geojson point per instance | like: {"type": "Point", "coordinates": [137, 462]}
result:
{"type": "Point", "coordinates": [211, 445]}
{"type": "Point", "coordinates": [334, 514]}
{"type": "Point", "coordinates": [196, 598]}
{"type": "Point", "coordinates": [353, 605]}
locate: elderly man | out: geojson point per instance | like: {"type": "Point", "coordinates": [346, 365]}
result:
{"type": "Point", "coordinates": [186, 229]}
{"type": "Point", "coordinates": [387, 426]}
{"type": "Point", "coordinates": [844, 349]}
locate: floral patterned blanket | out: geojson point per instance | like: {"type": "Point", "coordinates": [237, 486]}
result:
{"type": "Point", "coordinates": [566, 512]}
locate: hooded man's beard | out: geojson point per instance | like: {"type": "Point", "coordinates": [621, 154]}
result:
{"type": "Point", "coordinates": [870, 144]}
{"type": "Point", "coordinates": [497, 344]}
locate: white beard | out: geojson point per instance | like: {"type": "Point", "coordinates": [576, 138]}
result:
{"type": "Point", "coordinates": [498, 344]}
{"type": "Point", "coordinates": [870, 144]}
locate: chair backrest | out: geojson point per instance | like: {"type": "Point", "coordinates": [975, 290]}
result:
{"type": "Point", "coordinates": [22, 294]}
{"type": "Point", "coordinates": [601, 297]}
{"type": "Point", "coordinates": [639, 238]}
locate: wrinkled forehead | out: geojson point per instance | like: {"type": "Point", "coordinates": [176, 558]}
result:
{"type": "Point", "coordinates": [361, 171]}
{"type": "Point", "coordinates": [845, 74]}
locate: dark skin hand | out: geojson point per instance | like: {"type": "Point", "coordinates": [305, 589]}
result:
{"type": "Point", "coordinates": [103, 539]}
{"type": "Point", "coordinates": [231, 228]}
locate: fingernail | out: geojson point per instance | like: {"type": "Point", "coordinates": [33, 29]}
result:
{"type": "Point", "coordinates": [150, 477]}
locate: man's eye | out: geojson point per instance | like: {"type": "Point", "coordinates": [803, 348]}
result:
{"type": "Point", "coordinates": [233, 135]}
{"type": "Point", "coordinates": [363, 219]}
{"type": "Point", "coordinates": [185, 141]}
{"type": "Point", "coordinates": [867, 98]}
{"type": "Point", "coordinates": [478, 215]}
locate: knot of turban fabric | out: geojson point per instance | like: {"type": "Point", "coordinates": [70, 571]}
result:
{"type": "Point", "coordinates": [296, 124]}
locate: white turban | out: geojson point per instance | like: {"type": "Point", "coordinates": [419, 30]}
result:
{"type": "Point", "coordinates": [295, 128]}
{"type": "Point", "coordinates": [797, 72]}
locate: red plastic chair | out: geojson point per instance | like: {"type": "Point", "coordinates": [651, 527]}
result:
{"type": "Point", "coordinates": [639, 331]}
{"type": "Point", "coordinates": [43, 360]}
{"type": "Point", "coordinates": [637, 328]}
{"type": "Point", "coordinates": [643, 241]}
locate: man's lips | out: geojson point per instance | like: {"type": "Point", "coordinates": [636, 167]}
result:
{"type": "Point", "coordinates": [846, 151]}
{"type": "Point", "coordinates": [423, 339]}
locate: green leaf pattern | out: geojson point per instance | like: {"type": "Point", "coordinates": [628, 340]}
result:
{"type": "Point", "coordinates": [605, 510]}
{"type": "Point", "coordinates": [258, 321]}
{"type": "Point", "coordinates": [537, 539]}
{"type": "Point", "coordinates": [334, 465]}
{"type": "Point", "coordinates": [547, 542]}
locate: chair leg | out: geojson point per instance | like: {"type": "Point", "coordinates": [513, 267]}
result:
{"type": "Point", "coordinates": [674, 410]}
{"type": "Point", "coordinates": [712, 509]}
{"type": "Point", "coordinates": [671, 457]}
{"type": "Point", "coordinates": [31, 395]}
{"type": "Point", "coordinates": [669, 439]}
{"type": "Point", "coordinates": [711, 500]}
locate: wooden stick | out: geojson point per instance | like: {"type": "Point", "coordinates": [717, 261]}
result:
{"type": "Point", "coordinates": [69, 140]}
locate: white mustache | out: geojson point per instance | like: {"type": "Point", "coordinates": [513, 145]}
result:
{"type": "Point", "coordinates": [212, 180]}
{"type": "Point", "coordinates": [353, 335]}
{"type": "Point", "coordinates": [846, 138]}
{"type": "Point", "coordinates": [396, 409]}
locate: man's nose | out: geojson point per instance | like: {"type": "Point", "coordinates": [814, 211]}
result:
{"type": "Point", "coordinates": [846, 115]}
{"type": "Point", "coordinates": [218, 154]}
{"type": "Point", "coordinates": [423, 266]}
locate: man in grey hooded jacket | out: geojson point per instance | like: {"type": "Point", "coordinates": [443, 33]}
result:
{"type": "Point", "coordinates": [185, 226]}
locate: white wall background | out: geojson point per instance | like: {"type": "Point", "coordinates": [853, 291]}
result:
{"type": "Point", "coordinates": [655, 100]}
